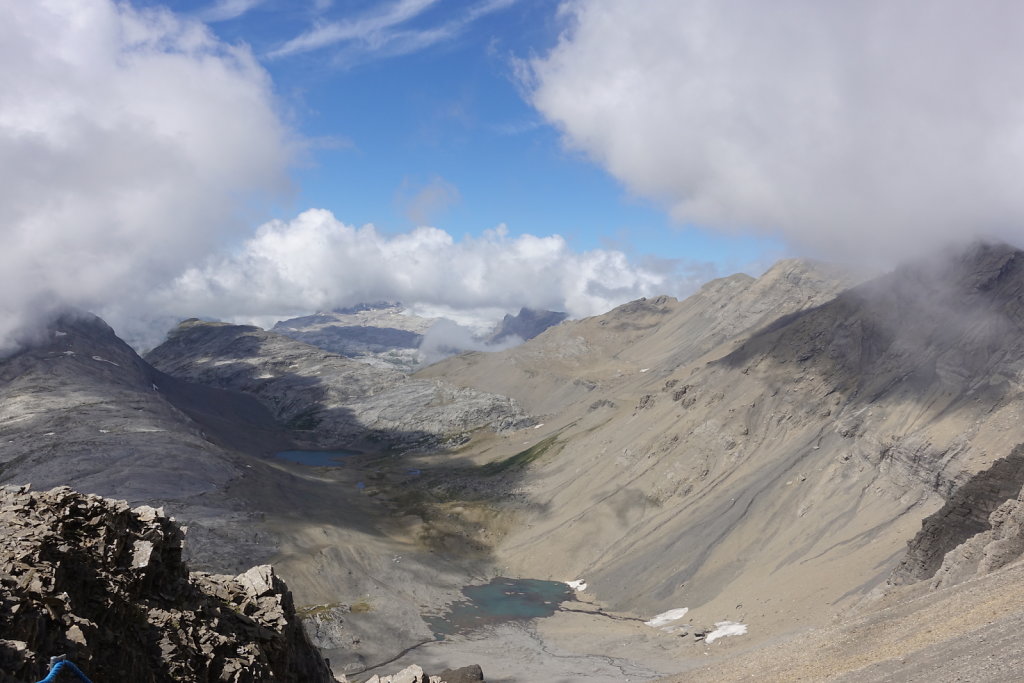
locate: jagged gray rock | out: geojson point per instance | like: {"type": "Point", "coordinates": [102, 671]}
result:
{"type": "Point", "coordinates": [104, 584]}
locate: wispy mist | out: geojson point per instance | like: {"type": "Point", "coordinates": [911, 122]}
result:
{"type": "Point", "coordinates": [871, 129]}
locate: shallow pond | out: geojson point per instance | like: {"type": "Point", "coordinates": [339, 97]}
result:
{"type": "Point", "coordinates": [499, 601]}
{"type": "Point", "coordinates": [316, 458]}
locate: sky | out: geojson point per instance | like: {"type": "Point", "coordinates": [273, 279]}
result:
{"type": "Point", "coordinates": [251, 160]}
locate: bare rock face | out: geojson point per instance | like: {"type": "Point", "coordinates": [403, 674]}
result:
{"type": "Point", "coordinates": [526, 324]}
{"type": "Point", "coordinates": [383, 335]}
{"type": "Point", "coordinates": [978, 525]}
{"type": "Point", "coordinates": [104, 584]}
{"type": "Point", "coordinates": [980, 529]}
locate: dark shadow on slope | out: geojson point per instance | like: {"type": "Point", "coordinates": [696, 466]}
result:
{"type": "Point", "coordinates": [954, 327]}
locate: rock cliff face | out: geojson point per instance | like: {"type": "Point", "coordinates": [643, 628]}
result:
{"type": "Point", "coordinates": [979, 529]}
{"type": "Point", "coordinates": [104, 584]}
{"type": "Point", "coordinates": [333, 399]}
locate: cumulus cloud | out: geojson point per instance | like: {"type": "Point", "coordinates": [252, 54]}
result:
{"type": "Point", "coordinates": [132, 140]}
{"type": "Point", "coordinates": [868, 128]}
{"type": "Point", "coordinates": [317, 262]}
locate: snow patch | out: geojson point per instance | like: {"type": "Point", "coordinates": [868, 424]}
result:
{"type": "Point", "coordinates": [668, 617]}
{"type": "Point", "coordinates": [725, 628]}
{"type": "Point", "coordinates": [104, 360]}
{"type": "Point", "coordinates": [644, 369]}
{"type": "Point", "coordinates": [59, 333]}
{"type": "Point", "coordinates": [578, 585]}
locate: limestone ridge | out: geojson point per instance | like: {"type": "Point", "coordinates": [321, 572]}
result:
{"type": "Point", "coordinates": [331, 399]}
{"type": "Point", "coordinates": [382, 335]}
{"type": "Point", "coordinates": [91, 578]}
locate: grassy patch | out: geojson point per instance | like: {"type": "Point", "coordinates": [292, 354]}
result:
{"type": "Point", "coordinates": [521, 459]}
{"type": "Point", "coordinates": [313, 610]}
{"type": "Point", "coordinates": [361, 607]}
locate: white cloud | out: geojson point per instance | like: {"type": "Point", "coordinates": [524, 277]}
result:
{"type": "Point", "coordinates": [317, 262]}
{"type": "Point", "coordinates": [871, 128]}
{"type": "Point", "coordinates": [131, 143]}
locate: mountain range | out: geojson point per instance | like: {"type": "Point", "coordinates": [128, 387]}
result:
{"type": "Point", "coordinates": [814, 456]}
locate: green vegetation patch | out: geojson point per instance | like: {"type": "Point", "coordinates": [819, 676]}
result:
{"type": "Point", "coordinates": [361, 607]}
{"type": "Point", "coordinates": [521, 459]}
{"type": "Point", "coordinates": [313, 610]}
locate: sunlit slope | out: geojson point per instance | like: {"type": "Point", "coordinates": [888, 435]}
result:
{"type": "Point", "coordinates": [774, 476]}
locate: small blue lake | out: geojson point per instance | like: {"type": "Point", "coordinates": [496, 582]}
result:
{"type": "Point", "coordinates": [316, 458]}
{"type": "Point", "coordinates": [500, 601]}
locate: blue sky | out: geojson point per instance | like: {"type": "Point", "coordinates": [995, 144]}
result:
{"type": "Point", "coordinates": [253, 160]}
{"type": "Point", "coordinates": [452, 111]}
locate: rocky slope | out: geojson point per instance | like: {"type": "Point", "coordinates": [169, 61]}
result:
{"type": "Point", "coordinates": [582, 360]}
{"type": "Point", "coordinates": [335, 400]}
{"type": "Point", "coordinates": [79, 407]}
{"type": "Point", "coordinates": [764, 464]}
{"type": "Point", "coordinates": [105, 585]}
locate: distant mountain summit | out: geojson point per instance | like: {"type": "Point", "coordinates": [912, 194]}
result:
{"type": "Point", "coordinates": [526, 325]}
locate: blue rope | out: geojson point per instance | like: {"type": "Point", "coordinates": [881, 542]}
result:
{"type": "Point", "coordinates": [61, 665]}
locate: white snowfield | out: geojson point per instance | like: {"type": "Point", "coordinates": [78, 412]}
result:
{"type": "Point", "coordinates": [668, 617]}
{"type": "Point", "coordinates": [725, 628]}
{"type": "Point", "coordinates": [577, 585]}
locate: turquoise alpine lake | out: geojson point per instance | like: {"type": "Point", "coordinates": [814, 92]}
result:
{"type": "Point", "coordinates": [500, 601]}
{"type": "Point", "coordinates": [316, 458]}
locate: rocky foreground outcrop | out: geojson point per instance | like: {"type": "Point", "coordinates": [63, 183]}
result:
{"type": "Point", "coordinates": [105, 584]}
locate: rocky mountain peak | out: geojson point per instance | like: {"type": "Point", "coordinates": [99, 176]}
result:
{"type": "Point", "coordinates": [526, 324]}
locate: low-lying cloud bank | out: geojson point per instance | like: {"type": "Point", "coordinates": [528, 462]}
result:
{"type": "Point", "coordinates": [867, 129]}
{"type": "Point", "coordinates": [316, 262]}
